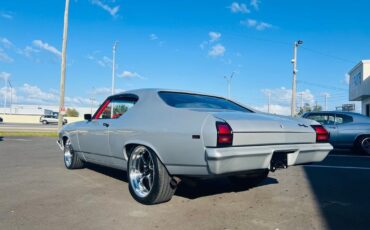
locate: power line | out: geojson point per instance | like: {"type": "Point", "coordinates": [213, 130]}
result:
{"type": "Point", "coordinates": [330, 55]}
{"type": "Point", "coordinates": [321, 85]}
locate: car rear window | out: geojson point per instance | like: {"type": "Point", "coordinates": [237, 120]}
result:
{"type": "Point", "coordinates": [194, 101]}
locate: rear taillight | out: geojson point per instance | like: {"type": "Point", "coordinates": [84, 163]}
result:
{"type": "Point", "coordinates": [224, 134]}
{"type": "Point", "coordinates": [322, 135]}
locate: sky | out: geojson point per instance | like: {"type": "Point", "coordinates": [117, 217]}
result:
{"type": "Point", "coordinates": [183, 44]}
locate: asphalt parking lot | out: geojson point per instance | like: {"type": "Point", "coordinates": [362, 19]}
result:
{"type": "Point", "coordinates": [37, 192]}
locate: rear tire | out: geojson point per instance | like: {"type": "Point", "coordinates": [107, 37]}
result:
{"type": "Point", "coordinates": [363, 145]}
{"type": "Point", "coordinates": [248, 180]}
{"type": "Point", "coordinates": [149, 181]}
{"type": "Point", "coordinates": [71, 159]}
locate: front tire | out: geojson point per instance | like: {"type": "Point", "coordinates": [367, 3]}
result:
{"type": "Point", "coordinates": [249, 180]}
{"type": "Point", "coordinates": [149, 181]}
{"type": "Point", "coordinates": [71, 159]}
{"type": "Point", "coordinates": [44, 122]}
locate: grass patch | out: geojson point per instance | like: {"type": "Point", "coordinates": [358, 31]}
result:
{"type": "Point", "coordinates": [28, 134]}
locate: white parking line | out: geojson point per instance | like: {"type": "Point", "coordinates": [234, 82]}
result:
{"type": "Point", "coordinates": [336, 167]}
{"type": "Point", "coordinates": [16, 139]}
{"type": "Point", "coordinates": [355, 156]}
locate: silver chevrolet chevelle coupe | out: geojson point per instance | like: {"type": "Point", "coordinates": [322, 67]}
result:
{"type": "Point", "coordinates": [159, 136]}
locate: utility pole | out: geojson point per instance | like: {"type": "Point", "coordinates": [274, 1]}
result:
{"type": "Point", "coordinates": [114, 65]}
{"type": "Point", "coordinates": [92, 99]}
{"type": "Point", "coordinates": [301, 95]}
{"type": "Point", "coordinates": [63, 67]}
{"type": "Point", "coordinates": [228, 79]}
{"type": "Point", "coordinates": [326, 95]}
{"type": "Point", "coordinates": [294, 87]}
{"type": "Point", "coordinates": [6, 93]}
{"type": "Point", "coordinates": [11, 96]}
{"type": "Point", "coordinates": [269, 102]}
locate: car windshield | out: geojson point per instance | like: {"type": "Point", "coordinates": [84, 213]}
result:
{"type": "Point", "coordinates": [186, 100]}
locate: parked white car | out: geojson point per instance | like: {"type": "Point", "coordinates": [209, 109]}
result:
{"type": "Point", "coordinates": [51, 119]}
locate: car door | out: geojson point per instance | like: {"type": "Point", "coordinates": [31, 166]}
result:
{"type": "Point", "coordinates": [94, 135]}
{"type": "Point", "coordinates": [120, 128]}
{"type": "Point", "coordinates": [345, 134]}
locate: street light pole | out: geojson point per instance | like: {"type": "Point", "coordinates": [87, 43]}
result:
{"type": "Point", "coordinates": [294, 85]}
{"type": "Point", "coordinates": [63, 67]}
{"type": "Point", "coordinates": [114, 65]}
{"type": "Point", "coordinates": [228, 79]}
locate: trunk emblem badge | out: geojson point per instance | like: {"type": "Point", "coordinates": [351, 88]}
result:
{"type": "Point", "coordinates": [303, 125]}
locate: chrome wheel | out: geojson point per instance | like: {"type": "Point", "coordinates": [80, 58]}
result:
{"type": "Point", "coordinates": [141, 171]}
{"type": "Point", "coordinates": [68, 154]}
{"type": "Point", "coordinates": [365, 145]}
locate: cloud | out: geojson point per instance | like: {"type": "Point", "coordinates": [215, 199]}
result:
{"type": "Point", "coordinates": [28, 51]}
{"type": "Point", "coordinates": [215, 36]}
{"type": "Point", "coordinates": [5, 76]}
{"type": "Point", "coordinates": [4, 57]}
{"type": "Point", "coordinates": [274, 109]}
{"type": "Point", "coordinates": [153, 37]}
{"type": "Point", "coordinates": [104, 91]}
{"type": "Point", "coordinates": [255, 4]}
{"type": "Point", "coordinates": [34, 92]}
{"type": "Point", "coordinates": [251, 23]}
{"type": "Point", "coordinates": [239, 8]}
{"type": "Point", "coordinates": [217, 50]}
{"type": "Point", "coordinates": [7, 15]}
{"type": "Point", "coordinates": [111, 10]}
{"type": "Point", "coordinates": [9, 94]}
{"type": "Point", "coordinates": [129, 74]}
{"type": "Point", "coordinates": [6, 43]}
{"type": "Point", "coordinates": [103, 61]}
{"type": "Point", "coordinates": [346, 78]}
{"type": "Point", "coordinates": [45, 46]}
{"type": "Point", "coordinates": [283, 96]}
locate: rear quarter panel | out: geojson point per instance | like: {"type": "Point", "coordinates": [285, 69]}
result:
{"type": "Point", "coordinates": [168, 131]}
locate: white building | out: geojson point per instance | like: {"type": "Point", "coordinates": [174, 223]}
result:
{"type": "Point", "coordinates": [42, 109]}
{"type": "Point", "coordinates": [359, 85]}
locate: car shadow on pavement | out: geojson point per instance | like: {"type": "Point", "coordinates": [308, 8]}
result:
{"type": "Point", "coordinates": [114, 173]}
{"type": "Point", "coordinates": [190, 188]}
{"type": "Point", "coordinates": [342, 196]}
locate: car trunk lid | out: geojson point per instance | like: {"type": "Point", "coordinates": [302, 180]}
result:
{"type": "Point", "coordinates": [259, 129]}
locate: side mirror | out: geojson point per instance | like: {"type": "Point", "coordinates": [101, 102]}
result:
{"type": "Point", "coordinates": [87, 117]}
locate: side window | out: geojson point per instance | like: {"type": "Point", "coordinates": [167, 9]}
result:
{"type": "Point", "coordinates": [317, 117]}
{"type": "Point", "coordinates": [115, 107]}
{"type": "Point", "coordinates": [324, 119]}
{"type": "Point", "coordinates": [343, 119]}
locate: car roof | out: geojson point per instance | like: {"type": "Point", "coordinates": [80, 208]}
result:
{"type": "Point", "coordinates": [143, 91]}
{"type": "Point", "coordinates": [156, 90]}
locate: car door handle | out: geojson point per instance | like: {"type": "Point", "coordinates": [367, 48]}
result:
{"type": "Point", "coordinates": [106, 124]}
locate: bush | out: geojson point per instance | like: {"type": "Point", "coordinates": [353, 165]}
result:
{"type": "Point", "coordinates": [72, 112]}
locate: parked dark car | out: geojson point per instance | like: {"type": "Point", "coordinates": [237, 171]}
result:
{"type": "Point", "coordinates": [1, 119]}
{"type": "Point", "coordinates": [347, 129]}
